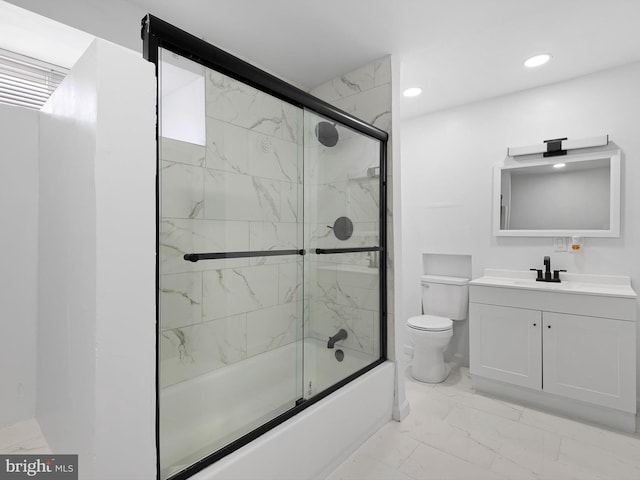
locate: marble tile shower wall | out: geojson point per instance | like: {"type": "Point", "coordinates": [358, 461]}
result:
{"type": "Point", "coordinates": [242, 191]}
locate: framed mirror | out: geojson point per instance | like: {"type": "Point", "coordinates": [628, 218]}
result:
{"type": "Point", "coordinates": [563, 196]}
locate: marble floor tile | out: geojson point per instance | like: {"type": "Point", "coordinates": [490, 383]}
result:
{"type": "Point", "coordinates": [598, 460]}
{"type": "Point", "coordinates": [360, 466]}
{"type": "Point", "coordinates": [453, 433]}
{"type": "Point", "coordinates": [428, 463]}
{"type": "Point", "coordinates": [390, 445]}
{"type": "Point", "coordinates": [23, 437]}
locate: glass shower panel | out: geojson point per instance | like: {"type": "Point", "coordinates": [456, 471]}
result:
{"type": "Point", "coordinates": [230, 268]}
{"type": "Point", "coordinates": [342, 236]}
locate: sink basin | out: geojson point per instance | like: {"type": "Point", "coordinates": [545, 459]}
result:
{"type": "Point", "coordinates": [574, 283]}
{"type": "Point", "coordinates": [552, 285]}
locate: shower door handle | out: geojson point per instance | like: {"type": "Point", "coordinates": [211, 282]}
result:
{"type": "Point", "coordinates": [194, 257]}
{"type": "Point", "coordinates": [328, 251]}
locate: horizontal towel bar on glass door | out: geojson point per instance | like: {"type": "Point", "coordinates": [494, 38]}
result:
{"type": "Point", "coordinates": [194, 257]}
{"type": "Point", "coordinates": [327, 251]}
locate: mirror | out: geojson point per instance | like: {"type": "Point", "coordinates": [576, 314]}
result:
{"type": "Point", "coordinates": [541, 198]}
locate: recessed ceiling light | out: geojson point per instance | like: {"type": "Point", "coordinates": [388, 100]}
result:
{"type": "Point", "coordinates": [559, 165]}
{"type": "Point", "coordinates": [412, 92]}
{"type": "Point", "coordinates": [537, 60]}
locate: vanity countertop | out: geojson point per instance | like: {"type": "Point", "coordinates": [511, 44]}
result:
{"type": "Point", "coordinates": [573, 283]}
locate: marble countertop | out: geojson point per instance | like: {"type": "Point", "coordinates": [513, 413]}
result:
{"type": "Point", "coordinates": [574, 283]}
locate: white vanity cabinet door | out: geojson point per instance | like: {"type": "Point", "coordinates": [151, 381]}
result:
{"type": "Point", "coordinates": [590, 359]}
{"type": "Point", "coordinates": [506, 344]}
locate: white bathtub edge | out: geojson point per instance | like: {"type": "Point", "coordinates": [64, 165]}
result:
{"type": "Point", "coordinates": [313, 443]}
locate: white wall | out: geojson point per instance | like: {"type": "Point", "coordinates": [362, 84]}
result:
{"type": "Point", "coordinates": [96, 326]}
{"type": "Point", "coordinates": [115, 20]}
{"type": "Point", "coordinates": [447, 174]}
{"type": "Point", "coordinates": [18, 262]}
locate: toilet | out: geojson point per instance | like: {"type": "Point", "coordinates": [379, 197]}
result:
{"type": "Point", "coordinates": [444, 300]}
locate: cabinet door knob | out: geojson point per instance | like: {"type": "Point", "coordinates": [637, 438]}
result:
{"type": "Point", "coordinates": [534, 324]}
{"type": "Point", "coordinates": [548, 326]}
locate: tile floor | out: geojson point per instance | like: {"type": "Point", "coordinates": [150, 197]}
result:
{"type": "Point", "coordinates": [23, 437]}
{"type": "Point", "coordinates": [453, 433]}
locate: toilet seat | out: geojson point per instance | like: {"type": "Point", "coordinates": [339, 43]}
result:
{"type": "Point", "coordinates": [430, 323]}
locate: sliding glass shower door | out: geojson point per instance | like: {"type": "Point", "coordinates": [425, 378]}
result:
{"type": "Point", "coordinates": [342, 274]}
{"type": "Point", "coordinates": [271, 265]}
{"type": "Point", "coordinates": [230, 229]}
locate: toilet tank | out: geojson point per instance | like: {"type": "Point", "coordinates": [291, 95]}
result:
{"type": "Point", "coordinates": [445, 296]}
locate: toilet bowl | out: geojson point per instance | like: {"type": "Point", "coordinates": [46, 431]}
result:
{"type": "Point", "coordinates": [444, 299]}
{"type": "Point", "coordinates": [430, 335]}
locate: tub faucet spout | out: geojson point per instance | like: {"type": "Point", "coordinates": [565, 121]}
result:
{"type": "Point", "coordinates": [341, 335]}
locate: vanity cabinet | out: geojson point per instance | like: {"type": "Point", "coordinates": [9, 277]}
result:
{"type": "Point", "coordinates": [590, 359]}
{"type": "Point", "coordinates": [571, 352]}
{"type": "Point", "coordinates": [506, 344]}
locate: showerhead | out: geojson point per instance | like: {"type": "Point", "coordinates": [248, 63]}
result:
{"type": "Point", "coordinates": [327, 134]}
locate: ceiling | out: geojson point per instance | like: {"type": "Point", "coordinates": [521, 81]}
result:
{"type": "Point", "coordinates": [35, 36]}
{"type": "Point", "coordinates": [458, 51]}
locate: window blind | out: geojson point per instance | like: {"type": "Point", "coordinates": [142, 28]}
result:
{"type": "Point", "coordinates": [27, 82]}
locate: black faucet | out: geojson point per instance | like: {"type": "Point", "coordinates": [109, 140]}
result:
{"type": "Point", "coordinates": [547, 269]}
{"type": "Point", "coordinates": [547, 272]}
{"type": "Point", "coordinates": [341, 335]}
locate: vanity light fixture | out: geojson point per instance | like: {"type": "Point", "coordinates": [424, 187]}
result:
{"type": "Point", "coordinates": [537, 60]}
{"type": "Point", "coordinates": [559, 165]}
{"type": "Point", "coordinates": [412, 92]}
{"type": "Point", "coordinates": [558, 146]}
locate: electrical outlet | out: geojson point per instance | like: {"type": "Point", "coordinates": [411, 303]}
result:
{"type": "Point", "coordinates": [560, 244]}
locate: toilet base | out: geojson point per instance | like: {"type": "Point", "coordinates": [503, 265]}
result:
{"type": "Point", "coordinates": [429, 367]}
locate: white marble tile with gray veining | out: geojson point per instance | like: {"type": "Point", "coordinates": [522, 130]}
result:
{"type": "Point", "coordinates": [321, 280]}
{"type": "Point", "coordinates": [273, 327]}
{"type": "Point", "coordinates": [23, 437]}
{"type": "Point", "coordinates": [372, 106]}
{"type": "Point", "coordinates": [180, 300]}
{"type": "Point", "coordinates": [291, 123]}
{"type": "Point", "coordinates": [181, 190]}
{"type": "Point", "coordinates": [234, 102]}
{"type": "Point", "coordinates": [177, 151]}
{"type": "Point", "coordinates": [363, 201]}
{"type": "Point", "coordinates": [382, 71]}
{"type": "Point", "coordinates": [327, 318]}
{"type": "Point", "coordinates": [362, 329]}
{"type": "Point", "coordinates": [230, 196]}
{"type": "Point", "coordinates": [274, 236]}
{"type": "Point", "coordinates": [359, 289]}
{"type": "Point", "coordinates": [351, 83]}
{"type": "Point", "coordinates": [291, 202]}
{"type": "Point", "coordinates": [180, 236]}
{"type": "Point", "coordinates": [227, 147]}
{"type": "Point", "coordinates": [191, 351]}
{"type": "Point", "coordinates": [290, 282]}
{"type": "Point", "coordinates": [271, 157]}
{"type": "Point", "coordinates": [236, 290]}
{"type": "Point", "coordinates": [332, 202]}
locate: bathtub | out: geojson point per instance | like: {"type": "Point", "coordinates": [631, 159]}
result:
{"type": "Point", "coordinates": [306, 446]}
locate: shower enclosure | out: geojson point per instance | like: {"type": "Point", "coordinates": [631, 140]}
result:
{"type": "Point", "coordinates": [270, 254]}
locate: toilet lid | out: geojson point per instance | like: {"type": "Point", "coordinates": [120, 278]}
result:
{"type": "Point", "coordinates": [431, 323]}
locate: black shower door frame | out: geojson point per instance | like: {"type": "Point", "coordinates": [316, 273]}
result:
{"type": "Point", "coordinates": [156, 34]}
